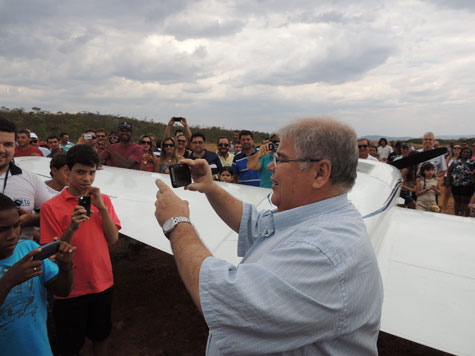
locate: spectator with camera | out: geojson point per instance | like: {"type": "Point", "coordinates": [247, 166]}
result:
{"type": "Point", "coordinates": [242, 174]}
{"type": "Point", "coordinates": [185, 131]}
{"type": "Point", "coordinates": [23, 285]}
{"type": "Point", "coordinates": [84, 217]}
{"type": "Point", "coordinates": [263, 157]}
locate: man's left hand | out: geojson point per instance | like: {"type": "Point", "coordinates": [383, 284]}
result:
{"type": "Point", "coordinates": [168, 204]}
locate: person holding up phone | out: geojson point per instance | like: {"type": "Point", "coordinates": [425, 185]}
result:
{"type": "Point", "coordinates": [23, 281]}
{"type": "Point", "coordinates": [186, 129]}
{"type": "Point", "coordinates": [91, 297]}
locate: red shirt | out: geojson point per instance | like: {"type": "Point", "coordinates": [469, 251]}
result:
{"type": "Point", "coordinates": [133, 151]}
{"type": "Point", "coordinates": [28, 152]}
{"type": "Point", "coordinates": [92, 264]}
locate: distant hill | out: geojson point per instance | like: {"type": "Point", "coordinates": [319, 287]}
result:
{"type": "Point", "coordinates": [441, 138]}
{"type": "Point", "coordinates": [45, 123]}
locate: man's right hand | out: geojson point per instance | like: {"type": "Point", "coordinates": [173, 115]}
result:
{"type": "Point", "coordinates": [78, 217]}
{"type": "Point", "coordinates": [201, 174]}
{"type": "Point", "coordinates": [23, 270]}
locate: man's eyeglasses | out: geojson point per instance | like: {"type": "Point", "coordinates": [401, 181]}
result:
{"type": "Point", "coordinates": [223, 144]}
{"type": "Point", "coordinates": [362, 146]}
{"type": "Point", "coordinates": [198, 142]}
{"type": "Point", "coordinates": [34, 141]}
{"type": "Point", "coordinates": [282, 160]}
{"type": "Point", "coordinates": [114, 137]}
{"type": "Point", "coordinates": [182, 141]}
{"type": "Point", "coordinates": [101, 136]}
{"type": "Point", "coordinates": [168, 145]}
{"type": "Point", "coordinates": [145, 142]}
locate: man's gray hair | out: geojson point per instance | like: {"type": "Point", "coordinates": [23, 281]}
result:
{"type": "Point", "coordinates": [428, 133]}
{"type": "Point", "coordinates": [324, 138]}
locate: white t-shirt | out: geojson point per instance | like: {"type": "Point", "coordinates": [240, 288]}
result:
{"type": "Point", "coordinates": [384, 151]}
{"type": "Point", "coordinates": [24, 186]}
{"type": "Point", "coordinates": [438, 162]}
{"type": "Point", "coordinates": [371, 158]}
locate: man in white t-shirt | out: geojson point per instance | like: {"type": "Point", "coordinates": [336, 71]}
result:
{"type": "Point", "coordinates": [363, 147]}
{"type": "Point", "coordinates": [22, 186]}
{"type": "Point", "coordinates": [384, 149]}
{"type": "Point", "coordinates": [439, 163]}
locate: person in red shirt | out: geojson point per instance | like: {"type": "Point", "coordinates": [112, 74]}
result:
{"type": "Point", "coordinates": [124, 154]}
{"type": "Point", "coordinates": [87, 310]}
{"type": "Point", "coordinates": [24, 147]}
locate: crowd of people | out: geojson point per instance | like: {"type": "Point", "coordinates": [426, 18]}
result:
{"type": "Point", "coordinates": [81, 278]}
{"type": "Point", "coordinates": [429, 185]}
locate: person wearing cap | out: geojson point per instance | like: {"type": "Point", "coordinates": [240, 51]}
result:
{"type": "Point", "coordinates": [35, 141]}
{"type": "Point", "coordinates": [124, 154]}
{"type": "Point", "coordinates": [406, 148]}
{"type": "Point", "coordinates": [24, 147]}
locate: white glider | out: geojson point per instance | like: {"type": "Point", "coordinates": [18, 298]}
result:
{"type": "Point", "coordinates": [427, 260]}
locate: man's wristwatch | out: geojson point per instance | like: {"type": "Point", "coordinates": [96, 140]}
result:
{"type": "Point", "coordinates": [171, 224]}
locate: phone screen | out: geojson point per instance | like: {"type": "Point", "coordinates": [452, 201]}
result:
{"type": "Point", "coordinates": [180, 175]}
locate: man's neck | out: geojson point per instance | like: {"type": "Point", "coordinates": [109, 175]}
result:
{"type": "Point", "coordinates": [55, 185]}
{"type": "Point", "coordinates": [24, 148]}
{"type": "Point", "coordinates": [249, 151]}
{"type": "Point", "coordinates": [75, 192]}
{"type": "Point", "coordinates": [125, 143]}
{"type": "Point", "coordinates": [199, 155]}
{"type": "Point", "coordinates": [225, 155]}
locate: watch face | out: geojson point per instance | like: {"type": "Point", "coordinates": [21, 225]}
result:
{"type": "Point", "coordinates": [169, 224]}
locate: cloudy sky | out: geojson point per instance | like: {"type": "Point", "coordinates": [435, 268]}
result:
{"type": "Point", "coordinates": [395, 68]}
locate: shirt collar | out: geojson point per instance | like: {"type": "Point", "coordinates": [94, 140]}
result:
{"type": "Point", "coordinates": [303, 213]}
{"type": "Point", "coordinates": [67, 195]}
{"type": "Point", "coordinates": [14, 169]}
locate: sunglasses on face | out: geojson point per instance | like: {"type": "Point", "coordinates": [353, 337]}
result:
{"type": "Point", "coordinates": [113, 137]}
{"type": "Point", "coordinates": [101, 136]}
{"type": "Point", "coordinates": [182, 141]}
{"type": "Point", "coordinates": [362, 146]}
{"type": "Point", "coordinates": [198, 142]}
{"type": "Point", "coordinates": [168, 145]}
{"type": "Point", "coordinates": [145, 142]}
{"type": "Point", "coordinates": [34, 141]}
{"type": "Point", "coordinates": [223, 145]}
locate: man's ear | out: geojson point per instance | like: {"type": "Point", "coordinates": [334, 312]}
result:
{"type": "Point", "coordinates": [322, 174]}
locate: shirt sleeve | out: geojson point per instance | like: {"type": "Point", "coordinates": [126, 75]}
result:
{"type": "Point", "coordinates": [50, 226]}
{"type": "Point", "coordinates": [50, 270]}
{"type": "Point", "coordinates": [276, 304]}
{"type": "Point", "coordinates": [41, 192]}
{"type": "Point", "coordinates": [253, 225]}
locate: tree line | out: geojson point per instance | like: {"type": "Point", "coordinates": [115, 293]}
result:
{"type": "Point", "coordinates": [45, 123]}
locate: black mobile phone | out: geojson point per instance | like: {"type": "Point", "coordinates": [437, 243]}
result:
{"type": "Point", "coordinates": [47, 250]}
{"type": "Point", "coordinates": [85, 201]}
{"type": "Point", "coordinates": [176, 118]}
{"type": "Point", "coordinates": [180, 175]}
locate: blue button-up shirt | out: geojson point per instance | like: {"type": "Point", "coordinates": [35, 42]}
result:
{"type": "Point", "coordinates": [308, 284]}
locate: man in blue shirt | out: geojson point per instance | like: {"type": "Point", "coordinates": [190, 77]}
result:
{"type": "Point", "coordinates": [260, 160]}
{"type": "Point", "coordinates": [199, 151]}
{"type": "Point", "coordinates": [308, 283]}
{"type": "Point", "coordinates": [242, 174]}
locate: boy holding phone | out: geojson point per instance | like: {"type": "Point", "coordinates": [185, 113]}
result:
{"type": "Point", "coordinates": [87, 310]}
{"type": "Point", "coordinates": [22, 286]}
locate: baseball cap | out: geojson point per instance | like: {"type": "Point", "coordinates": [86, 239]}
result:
{"type": "Point", "coordinates": [406, 144]}
{"type": "Point", "coordinates": [33, 135]}
{"type": "Point", "coordinates": [125, 125]}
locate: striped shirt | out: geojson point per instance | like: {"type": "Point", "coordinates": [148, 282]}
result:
{"type": "Point", "coordinates": [246, 176]}
{"type": "Point", "coordinates": [308, 284]}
